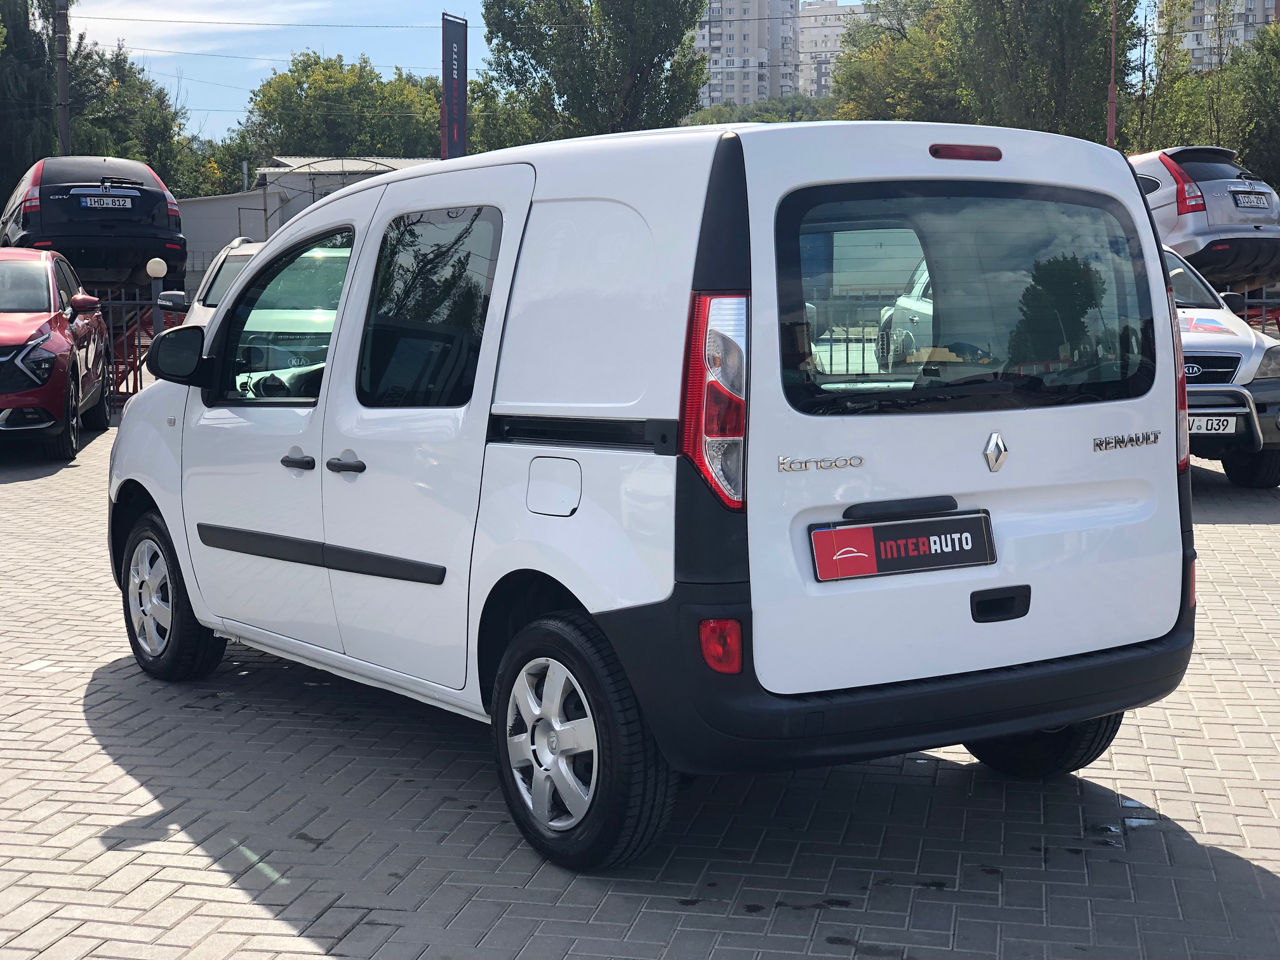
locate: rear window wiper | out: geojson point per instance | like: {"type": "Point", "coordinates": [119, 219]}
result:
{"type": "Point", "coordinates": [123, 181]}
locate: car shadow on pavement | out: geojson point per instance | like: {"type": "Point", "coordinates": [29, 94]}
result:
{"type": "Point", "coordinates": [299, 804]}
{"type": "Point", "coordinates": [1214, 499]}
{"type": "Point", "coordinates": [26, 459]}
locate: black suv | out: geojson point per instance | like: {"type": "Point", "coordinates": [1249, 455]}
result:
{"type": "Point", "coordinates": [106, 215]}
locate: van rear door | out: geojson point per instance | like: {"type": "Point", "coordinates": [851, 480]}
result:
{"type": "Point", "coordinates": [1005, 492]}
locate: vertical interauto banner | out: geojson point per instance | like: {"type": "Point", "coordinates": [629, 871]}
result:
{"type": "Point", "coordinates": [453, 104]}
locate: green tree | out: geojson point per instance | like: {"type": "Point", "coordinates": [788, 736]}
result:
{"type": "Point", "coordinates": [1257, 71]}
{"type": "Point", "coordinates": [790, 109]}
{"type": "Point", "coordinates": [27, 130]}
{"type": "Point", "coordinates": [324, 106]}
{"type": "Point", "coordinates": [498, 118]}
{"type": "Point", "coordinates": [1061, 293]}
{"type": "Point", "coordinates": [598, 66]}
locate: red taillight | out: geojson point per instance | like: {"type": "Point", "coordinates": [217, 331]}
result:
{"type": "Point", "coordinates": [1190, 199]}
{"type": "Point", "coordinates": [713, 413]}
{"type": "Point", "coordinates": [963, 151]}
{"type": "Point", "coordinates": [31, 202]}
{"type": "Point", "coordinates": [168, 197]}
{"type": "Point", "coordinates": [1184, 436]}
{"type": "Point", "coordinates": [721, 642]}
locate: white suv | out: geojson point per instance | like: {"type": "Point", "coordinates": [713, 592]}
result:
{"type": "Point", "coordinates": [540, 437]}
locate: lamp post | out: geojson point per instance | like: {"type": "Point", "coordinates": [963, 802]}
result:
{"type": "Point", "coordinates": [1111, 89]}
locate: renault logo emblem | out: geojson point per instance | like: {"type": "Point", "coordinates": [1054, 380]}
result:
{"type": "Point", "coordinates": [996, 451]}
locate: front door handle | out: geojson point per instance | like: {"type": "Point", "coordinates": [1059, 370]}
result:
{"type": "Point", "coordinates": [344, 466]}
{"type": "Point", "coordinates": [298, 463]}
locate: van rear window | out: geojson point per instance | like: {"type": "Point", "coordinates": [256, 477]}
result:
{"type": "Point", "coordinates": [949, 297]}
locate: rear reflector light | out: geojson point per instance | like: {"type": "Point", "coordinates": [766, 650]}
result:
{"type": "Point", "coordinates": [1190, 199]}
{"type": "Point", "coordinates": [31, 202]}
{"type": "Point", "coordinates": [964, 151]}
{"type": "Point", "coordinates": [1191, 591]}
{"type": "Point", "coordinates": [713, 413]}
{"type": "Point", "coordinates": [1221, 246]}
{"type": "Point", "coordinates": [173, 246]}
{"type": "Point", "coordinates": [721, 642]}
{"type": "Point", "coordinates": [1183, 434]}
{"type": "Point", "coordinates": [43, 243]}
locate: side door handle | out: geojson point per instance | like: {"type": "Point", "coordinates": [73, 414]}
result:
{"type": "Point", "coordinates": [298, 463]}
{"type": "Point", "coordinates": [344, 466]}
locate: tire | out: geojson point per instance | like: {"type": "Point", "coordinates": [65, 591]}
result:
{"type": "Point", "coordinates": [1256, 471]}
{"type": "Point", "coordinates": [66, 444]}
{"type": "Point", "coordinates": [184, 650]}
{"type": "Point", "coordinates": [98, 417]}
{"type": "Point", "coordinates": [1048, 753]}
{"type": "Point", "coordinates": [629, 787]}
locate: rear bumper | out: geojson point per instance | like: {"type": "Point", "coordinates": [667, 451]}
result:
{"type": "Point", "coordinates": [1256, 403]}
{"type": "Point", "coordinates": [712, 723]}
{"type": "Point", "coordinates": [114, 258]}
{"type": "Point", "coordinates": [1251, 257]}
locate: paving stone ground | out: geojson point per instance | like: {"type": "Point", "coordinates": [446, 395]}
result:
{"type": "Point", "coordinates": [275, 811]}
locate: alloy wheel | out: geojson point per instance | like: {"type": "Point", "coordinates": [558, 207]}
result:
{"type": "Point", "coordinates": [552, 744]}
{"type": "Point", "coordinates": [150, 597]}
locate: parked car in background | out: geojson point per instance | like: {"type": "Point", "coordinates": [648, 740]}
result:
{"type": "Point", "coordinates": [108, 216]}
{"type": "Point", "coordinates": [1214, 212]}
{"type": "Point", "coordinates": [221, 274]}
{"type": "Point", "coordinates": [54, 353]}
{"type": "Point", "coordinates": [1233, 380]}
{"type": "Point", "coordinates": [438, 437]}
{"type": "Point", "coordinates": [906, 323]}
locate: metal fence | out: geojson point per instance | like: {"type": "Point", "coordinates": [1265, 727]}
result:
{"type": "Point", "coordinates": [133, 318]}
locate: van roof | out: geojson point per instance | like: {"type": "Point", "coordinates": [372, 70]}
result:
{"type": "Point", "coordinates": [601, 146]}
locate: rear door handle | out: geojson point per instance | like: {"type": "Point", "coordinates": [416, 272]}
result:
{"type": "Point", "coordinates": [298, 463]}
{"type": "Point", "coordinates": [344, 466]}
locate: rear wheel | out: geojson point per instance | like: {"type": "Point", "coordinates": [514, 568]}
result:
{"type": "Point", "coordinates": [1257, 471]}
{"type": "Point", "coordinates": [66, 444]}
{"type": "Point", "coordinates": [167, 640]}
{"type": "Point", "coordinates": [581, 774]}
{"type": "Point", "coordinates": [1048, 753]}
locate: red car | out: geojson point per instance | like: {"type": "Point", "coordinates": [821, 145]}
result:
{"type": "Point", "coordinates": [54, 352]}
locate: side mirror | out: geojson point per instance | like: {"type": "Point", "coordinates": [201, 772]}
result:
{"type": "Point", "coordinates": [174, 301]}
{"type": "Point", "coordinates": [176, 355]}
{"type": "Point", "coordinates": [83, 303]}
{"type": "Point", "coordinates": [1235, 303]}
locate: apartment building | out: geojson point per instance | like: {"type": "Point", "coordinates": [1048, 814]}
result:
{"type": "Point", "coordinates": [1213, 28]}
{"type": "Point", "coordinates": [820, 24]}
{"type": "Point", "coordinates": [750, 48]}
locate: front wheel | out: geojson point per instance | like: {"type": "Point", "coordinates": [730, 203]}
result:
{"type": "Point", "coordinates": [580, 771]}
{"type": "Point", "coordinates": [66, 444]}
{"type": "Point", "coordinates": [1048, 753]}
{"type": "Point", "coordinates": [1255, 471]}
{"type": "Point", "coordinates": [167, 640]}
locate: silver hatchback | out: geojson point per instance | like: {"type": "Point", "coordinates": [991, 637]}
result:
{"type": "Point", "coordinates": [1213, 212]}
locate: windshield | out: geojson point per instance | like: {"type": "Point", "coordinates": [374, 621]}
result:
{"type": "Point", "coordinates": [937, 296]}
{"type": "Point", "coordinates": [227, 272]}
{"type": "Point", "coordinates": [1188, 289]}
{"type": "Point", "coordinates": [24, 286]}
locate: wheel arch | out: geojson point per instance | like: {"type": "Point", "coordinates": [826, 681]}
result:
{"type": "Point", "coordinates": [517, 599]}
{"type": "Point", "coordinates": [132, 500]}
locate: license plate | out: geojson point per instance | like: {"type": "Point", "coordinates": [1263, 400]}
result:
{"type": "Point", "coordinates": [1213, 424]}
{"type": "Point", "coordinates": [844, 551]}
{"type": "Point", "coordinates": [115, 203]}
{"type": "Point", "coordinates": [1251, 200]}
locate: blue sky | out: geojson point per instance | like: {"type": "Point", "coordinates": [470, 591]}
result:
{"type": "Point", "coordinates": [211, 66]}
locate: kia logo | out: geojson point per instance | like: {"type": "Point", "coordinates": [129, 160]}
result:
{"type": "Point", "coordinates": [1192, 369]}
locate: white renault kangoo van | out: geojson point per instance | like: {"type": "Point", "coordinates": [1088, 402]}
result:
{"type": "Point", "coordinates": [590, 441]}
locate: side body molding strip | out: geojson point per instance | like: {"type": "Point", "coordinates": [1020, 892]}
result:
{"type": "Point", "coordinates": [317, 554]}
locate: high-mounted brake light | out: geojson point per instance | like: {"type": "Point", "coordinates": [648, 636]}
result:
{"type": "Point", "coordinates": [721, 642]}
{"type": "Point", "coordinates": [1190, 199]}
{"type": "Point", "coordinates": [169, 199]}
{"type": "Point", "coordinates": [713, 412]}
{"type": "Point", "coordinates": [31, 202]}
{"type": "Point", "coordinates": [1183, 433]}
{"type": "Point", "coordinates": [964, 151]}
